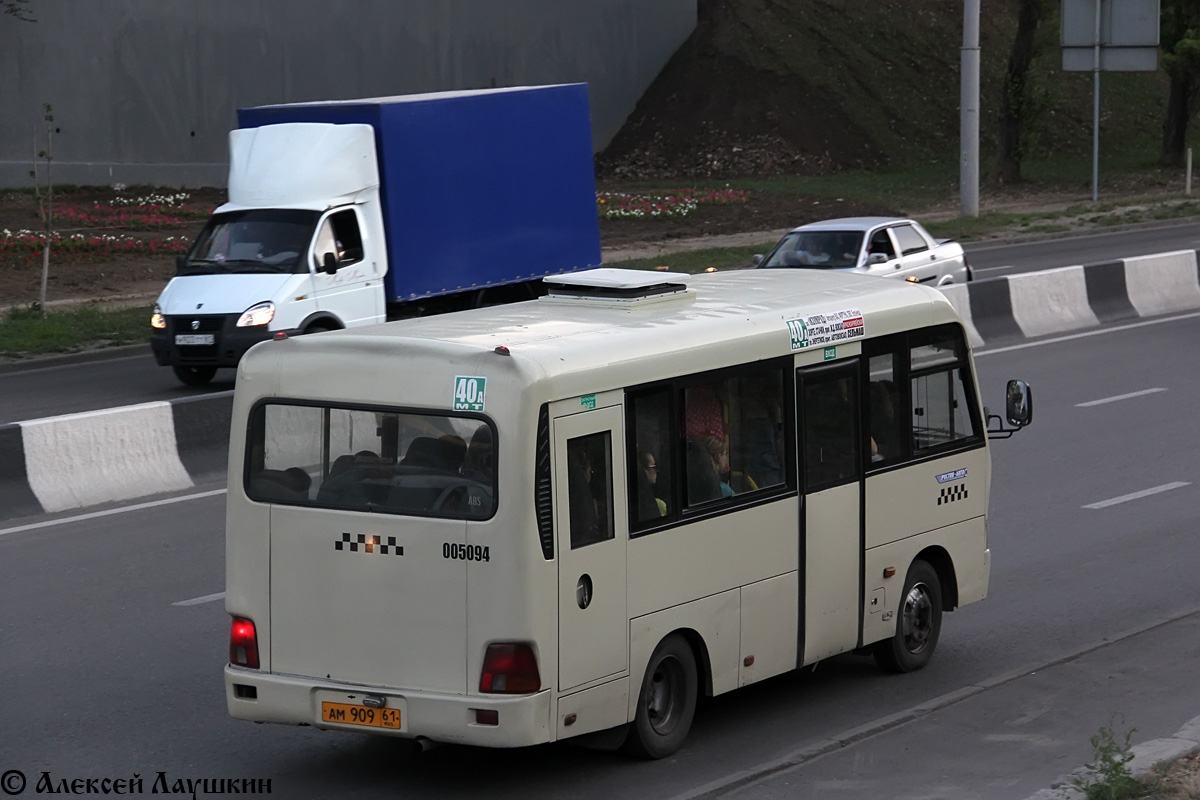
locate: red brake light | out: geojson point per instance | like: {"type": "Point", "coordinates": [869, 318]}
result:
{"type": "Point", "coordinates": [510, 669]}
{"type": "Point", "coordinates": [243, 644]}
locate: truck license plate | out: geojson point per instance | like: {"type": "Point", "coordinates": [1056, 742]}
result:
{"type": "Point", "coordinates": [348, 714]}
{"type": "Point", "coordinates": [194, 338]}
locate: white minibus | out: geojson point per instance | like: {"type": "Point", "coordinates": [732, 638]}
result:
{"type": "Point", "coordinates": [575, 516]}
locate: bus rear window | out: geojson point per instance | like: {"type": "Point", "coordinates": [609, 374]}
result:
{"type": "Point", "coordinates": [372, 460]}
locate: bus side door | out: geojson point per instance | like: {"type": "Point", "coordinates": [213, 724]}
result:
{"type": "Point", "coordinates": [592, 527]}
{"type": "Point", "coordinates": [831, 546]}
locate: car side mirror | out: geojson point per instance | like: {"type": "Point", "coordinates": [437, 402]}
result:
{"type": "Point", "coordinates": [329, 264]}
{"type": "Point", "coordinates": [756, 259]}
{"type": "Point", "coordinates": [877, 258]}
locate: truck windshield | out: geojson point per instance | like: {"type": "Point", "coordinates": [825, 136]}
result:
{"type": "Point", "coordinates": [258, 240]}
{"type": "Point", "coordinates": [819, 249]}
{"type": "Point", "coordinates": [373, 460]}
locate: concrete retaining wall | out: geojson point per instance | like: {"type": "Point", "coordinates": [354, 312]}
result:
{"type": "Point", "coordinates": [79, 460]}
{"type": "Point", "coordinates": [145, 91]}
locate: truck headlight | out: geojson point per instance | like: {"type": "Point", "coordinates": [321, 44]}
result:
{"type": "Point", "coordinates": [255, 316]}
{"type": "Point", "coordinates": [157, 320]}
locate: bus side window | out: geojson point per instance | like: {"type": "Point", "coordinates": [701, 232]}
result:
{"type": "Point", "coordinates": [940, 413]}
{"type": "Point", "coordinates": [885, 426]}
{"type": "Point", "coordinates": [589, 489]}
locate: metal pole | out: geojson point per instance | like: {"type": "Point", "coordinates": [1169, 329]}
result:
{"type": "Point", "coordinates": [968, 178]}
{"type": "Point", "coordinates": [1096, 112]}
{"type": "Point", "coordinates": [1188, 188]}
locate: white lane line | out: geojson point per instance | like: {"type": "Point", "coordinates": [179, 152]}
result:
{"type": "Point", "coordinates": [1125, 498]}
{"type": "Point", "coordinates": [1118, 397]}
{"type": "Point", "coordinates": [978, 270]}
{"type": "Point", "coordinates": [1101, 332]}
{"type": "Point", "coordinates": [195, 601]}
{"type": "Point", "coordinates": [109, 512]}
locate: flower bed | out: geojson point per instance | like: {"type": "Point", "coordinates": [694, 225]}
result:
{"type": "Point", "coordinates": [625, 205]}
{"type": "Point", "coordinates": [24, 248]}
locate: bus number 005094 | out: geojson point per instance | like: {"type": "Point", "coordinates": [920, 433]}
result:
{"type": "Point", "coordinates": [466, 552]}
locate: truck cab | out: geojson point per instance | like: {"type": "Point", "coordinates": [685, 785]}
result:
{"type": "Point", "coordinates": [313, 264]}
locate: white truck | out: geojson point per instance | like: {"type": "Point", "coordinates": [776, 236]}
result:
{"type": "Point", "coordinates": [350, 213]}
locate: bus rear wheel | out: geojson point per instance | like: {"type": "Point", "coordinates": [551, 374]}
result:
{"type": "Point", "coordinates": [919, 623]}
{"type": "Point", "coordinates": [667, 701]}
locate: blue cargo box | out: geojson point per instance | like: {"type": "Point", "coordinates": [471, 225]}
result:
{"type": "Point", "coordinates": [478, 188]}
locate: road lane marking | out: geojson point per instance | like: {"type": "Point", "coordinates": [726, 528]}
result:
{"type": "Point", "coordinates": [109, 512]}
{"type": "Point", "coordinates": [1100, 332]}
{"type": "Point", "coordinates": [195, 601]}
{"type": "Point", "coordinates": [1118, 397]}
{"type": "Point", "coordinates": [1125, 498]}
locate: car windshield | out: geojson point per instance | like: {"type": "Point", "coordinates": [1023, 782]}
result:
{"type": "Point", "coordinates": [817, 249]}
{"type": "Point", "coordinates": [259, 240]}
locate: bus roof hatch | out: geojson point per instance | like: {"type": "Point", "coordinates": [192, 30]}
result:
{"type": "Point", "coordinates": [621, 286]}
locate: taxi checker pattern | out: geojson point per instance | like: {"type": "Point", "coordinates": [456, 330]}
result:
{"type": "Point", "coordinates": [948, 494]}
{"type": "Point", "coordinates": [368, 544]}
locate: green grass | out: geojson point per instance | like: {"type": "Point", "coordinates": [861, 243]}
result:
{"type": "Point", "coordinates": [24, 333]}
{"type": "Point", "coordinates": [720, 258]}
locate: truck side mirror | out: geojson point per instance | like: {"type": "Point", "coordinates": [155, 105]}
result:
{"type": "Point", "coordinates": [329, 263]}
{"type": "Point", "coordinates": [180, 263]}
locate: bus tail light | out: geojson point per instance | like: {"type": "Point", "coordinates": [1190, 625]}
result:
{"type": "Point", "coordinates": [243, 644]}
{"type": "Point", "coordinates": [510, 668]}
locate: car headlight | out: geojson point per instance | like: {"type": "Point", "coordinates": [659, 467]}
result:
{"type": "Point", "coordinates": [255, 316]}
{"type": "Point", "coordinates": [157, 320]}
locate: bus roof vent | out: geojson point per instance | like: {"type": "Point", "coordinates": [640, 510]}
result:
{"type": "Point", "coordinates": [617, 286]}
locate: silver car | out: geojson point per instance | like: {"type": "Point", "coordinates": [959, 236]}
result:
{"type": "Point", "coordinates": [885, 246]}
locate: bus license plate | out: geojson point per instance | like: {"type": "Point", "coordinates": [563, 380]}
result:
{"type": "Point", "coordinates": [347, 714]}
{"type": "Point", "coordinates": [194, 338]}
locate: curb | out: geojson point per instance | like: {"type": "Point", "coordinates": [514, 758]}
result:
{"type": "Point", "coordinates": [1146, 757]}
{"type": "Point", "coordinates": [80, 460]}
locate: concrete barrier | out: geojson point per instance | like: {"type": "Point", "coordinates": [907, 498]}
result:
{"type": "Point", "coordinates": [1073, 298]}
{"type": "Point", "coordinates": [80, 460]}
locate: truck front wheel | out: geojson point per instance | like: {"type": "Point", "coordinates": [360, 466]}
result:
{"type": "Point", "coordinates": [195, 376]}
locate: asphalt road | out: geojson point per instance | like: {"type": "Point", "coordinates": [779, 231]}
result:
{"type": "Point", "coordinates": [1094, 611]}
{"type": "Point", "coordinates": [136, 378]}
{"type": "Point", "coordinates": [997, 260]}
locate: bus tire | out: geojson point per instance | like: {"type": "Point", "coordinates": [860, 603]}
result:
{"type": "Point", "coordinates": [919, 623]}
{"type": "Point", "coordinates": [195, 376]}
{"type": "Point", "coordinates": [667, 701]}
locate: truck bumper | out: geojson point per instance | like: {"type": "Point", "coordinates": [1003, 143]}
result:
{"type": "Point", "coordinates": [205, 341]}
{"type": "Point", "coordinates": [292, 700]}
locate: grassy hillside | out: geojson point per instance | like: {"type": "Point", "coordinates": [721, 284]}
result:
{"type": "Point", "coordinates": [814, 87]}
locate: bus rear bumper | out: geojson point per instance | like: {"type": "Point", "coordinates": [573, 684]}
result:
{"type": "Point", "coordinates": [521, 720]}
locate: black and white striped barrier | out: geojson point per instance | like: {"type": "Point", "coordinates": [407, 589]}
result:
{"type": "Point", "coordinates": [80, 460]}
{"type": "Point", "coordinates": [1072, 298]}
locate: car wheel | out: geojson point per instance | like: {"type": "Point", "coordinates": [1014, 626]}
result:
{"type": "Point", "coordinates": [919, 623]}
{"type": "Point", "coordinates": [195, 376]}
{"type": "Point", "coordinates": [667, 701]}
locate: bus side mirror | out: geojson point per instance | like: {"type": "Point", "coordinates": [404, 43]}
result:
{"type": "Point", "coordinates": [1019, 404]}
{"type": "Point", "coordinates": [329, 264]}
{"type": "Point", "coordinates": [1018, 408]}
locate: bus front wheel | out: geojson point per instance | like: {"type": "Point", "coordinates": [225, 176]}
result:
{"type": "Point", "coordinates": [919, 623]}
{"type": "Point", "coordinates": [667, 702]}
